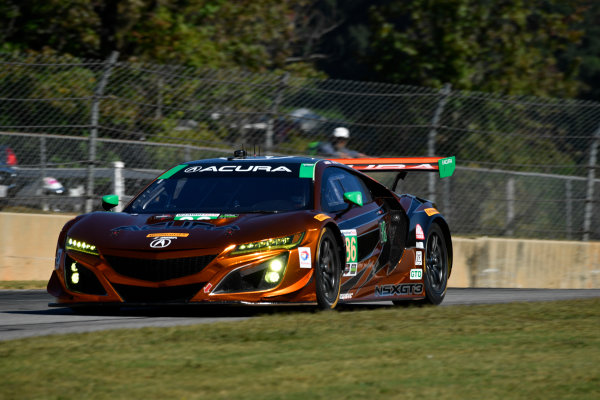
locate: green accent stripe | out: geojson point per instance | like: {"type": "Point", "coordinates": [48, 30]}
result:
{"type": "Point", "coordinates": [172, 171]}
{"type": "Point", "coordinates": [307, 171]}
{"type": "Point", "coordinates": [447, 166]}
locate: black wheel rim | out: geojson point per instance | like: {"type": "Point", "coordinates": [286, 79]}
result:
{"type": "Point", "coordinates": [327, 270]}
{"type": "Point", "coordinates": [436, 263]}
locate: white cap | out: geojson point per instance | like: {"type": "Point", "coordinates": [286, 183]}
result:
{"type": "Point", "coordinates": [341, 132]}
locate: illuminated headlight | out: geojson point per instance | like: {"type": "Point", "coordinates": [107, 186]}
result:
{"type": "Point", "coordinates": [74, 274]}
{"type": "Point", "coordinates": [273, 274]}
{"type": "Point", "coordinates": [263, 276]}
{"type": "Point", "coordinates": [80, 245]}
{"type": "Point", "coordinates": [283, 242]}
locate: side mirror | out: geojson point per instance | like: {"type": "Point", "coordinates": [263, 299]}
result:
{"type": "Point", "coordinates": [354, 198]}
{"type": "Point", "coordinates": [110, 201]}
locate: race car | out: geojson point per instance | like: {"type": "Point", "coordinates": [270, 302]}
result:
{"type": "Point", "coordinates": [260, 230]}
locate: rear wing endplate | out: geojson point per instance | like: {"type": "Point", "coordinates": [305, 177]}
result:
{"type": "Point", "coordinates": [444, 165]}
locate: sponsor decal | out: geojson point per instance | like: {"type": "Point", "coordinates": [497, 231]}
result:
{"type": "Point", "coordinates": [237, 168]}
{"type": "Point", "coordinates": [431, 211]}
{"type": "Point", "coordinates": [351, 241]}
{"type": "Point", "coordinates": [403, 289]}
{"type": "Point", "coordinates": [419, 233]}
{"type": "Point", "coordinates": [195, 217]}
{"type": "Point", "coordinates": [391, 166]}
{"type": "Point", "coordinates": [175, 224]}
{"type": "Point", "coordinates": [172, 234]}
{"type": "Point", "coordinates": [57, 258]}
{"type": "Point", "coordinates": [161, 242]}
{"type": "Point", "coordinates": [346, 296]}
{"type": "Point", "coordinates": [383, 232]}
{"type": "Point", "coordinates": [416, 274]}
{"type": "Point", "coordinates": [203, 216]}
{"type": "Point", "coordinates": [420, 245]}
{"type": "Point", "coordinates": [207, 288]}
{"type": "Point", "coordinates": [351, 269]}
{"type": "Point", "coordinates": [307, 171]}
{"type": "Point", "coordinates": [419, 258]}
{"type": "Point", "coordinates": [304, 256]}
{"type": "Point", "coordinates": [322, 217]}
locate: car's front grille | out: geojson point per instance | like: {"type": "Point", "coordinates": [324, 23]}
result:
{"type": "Point", "coordinates": [158, 270]}
{"type": "Point", "coordinates": [170, 294]}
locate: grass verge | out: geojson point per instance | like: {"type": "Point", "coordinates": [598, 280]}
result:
{"type": "Point", "coordinates": [23, 284]}
{"type": "Point", "coordinates": [516, 351]}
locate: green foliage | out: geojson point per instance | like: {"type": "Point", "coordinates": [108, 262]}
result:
{"type": "Point", "coordinates": [502, 47]}
{"type": "Point", "coordinates": [253, 34]}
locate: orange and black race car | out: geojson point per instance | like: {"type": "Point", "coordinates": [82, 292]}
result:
{"type": "Point", "coordinates": [260, 230]}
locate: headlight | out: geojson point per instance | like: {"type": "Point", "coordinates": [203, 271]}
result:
{"type": "Point", "coordinates": [283, 242]}
{"type": "Point", "coordinates": [80, 245]}
{"type": "Point", "coordinates": [263, 276]}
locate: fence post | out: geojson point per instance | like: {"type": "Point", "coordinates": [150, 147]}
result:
{"type": "Point", "coordinates": [43, 161]}
{"type": "Point", "coordinates": [569, 207]}
{"type": "Point", "coordinates": [98, 94]}
{"type": "Point", "coordinates": [510, 207]}
{"type": "Point", "coordinates": [433, 133]}
{"type": "Point", "coordinates": [589, 198]}
{"type": "Point", "coordinates": [118, 183]}
{"type": "Point", "coordinates": [274, 110]}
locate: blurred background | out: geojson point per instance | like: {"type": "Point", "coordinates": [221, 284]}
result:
{"type": "Point", "coordinates": [99, 97]}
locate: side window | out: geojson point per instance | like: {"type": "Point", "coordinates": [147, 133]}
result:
{"type": "Point", "coordinates": [353, 183]}
{"type": "Point", "coordinates": [336, 182]}
{"type": "Point", "coordinates": [332, 192]}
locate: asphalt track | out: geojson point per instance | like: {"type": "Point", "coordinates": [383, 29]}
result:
{"type": "Point", "coordinates": [25, 313]}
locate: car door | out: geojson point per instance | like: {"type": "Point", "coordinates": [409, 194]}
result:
{"type": "Point", "coordinates": [362, 226]}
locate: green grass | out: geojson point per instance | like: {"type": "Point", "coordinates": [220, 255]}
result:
{"type": "Point", "coordinates": [528, 351]}
{"type": "Point", "coordinates": [23, 284]}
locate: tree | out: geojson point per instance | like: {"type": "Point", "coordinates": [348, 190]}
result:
{"type": "Point", "coordinates": [503, 47]}
{"type": "Point", "coordinates": [252, 34]}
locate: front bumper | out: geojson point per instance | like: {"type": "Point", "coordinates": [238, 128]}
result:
{"type": "Point", "coordinates": [121, 287]}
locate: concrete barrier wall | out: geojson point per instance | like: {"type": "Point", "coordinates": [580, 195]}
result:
{"type": "Point", "coordinates": [28, 243]}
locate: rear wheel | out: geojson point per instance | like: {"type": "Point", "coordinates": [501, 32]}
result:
{"type": "Point", "coordinates": [328, 271]}
{"type": "Point", "coordinates": [436, 265]}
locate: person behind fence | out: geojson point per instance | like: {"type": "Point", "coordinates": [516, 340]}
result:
{"type": "Point", "coordinates": [337, 147]}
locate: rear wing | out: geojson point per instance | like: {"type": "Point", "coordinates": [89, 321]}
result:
{"type": "Point", "coordinates": [444, 165]}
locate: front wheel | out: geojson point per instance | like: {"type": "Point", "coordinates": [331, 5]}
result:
{"type": "Point", "coordinates": [328, 271]}
{"type": "Point", "coordinates": [436, 266]}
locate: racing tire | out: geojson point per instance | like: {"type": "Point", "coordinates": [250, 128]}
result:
{"type": "Point", "coordinates": [328, 271]}
{"type": "Point", "coordinates": [436, 266]}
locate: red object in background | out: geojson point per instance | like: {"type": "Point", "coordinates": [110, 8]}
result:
{"type": "Point", "coordinates": [11, 158]}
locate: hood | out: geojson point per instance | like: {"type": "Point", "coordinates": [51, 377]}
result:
{"type": "Point", "coordinates": [158, 232]}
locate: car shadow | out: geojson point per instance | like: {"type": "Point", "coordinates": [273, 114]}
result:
{"type": "Point", "coordinates": [199, 310]}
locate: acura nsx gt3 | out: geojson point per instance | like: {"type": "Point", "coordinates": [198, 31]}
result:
{"type": "Point", "coordinates": [260, 230]}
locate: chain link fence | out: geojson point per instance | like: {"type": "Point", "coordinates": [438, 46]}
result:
{"type": "Point", "coordinates": [526, 166]}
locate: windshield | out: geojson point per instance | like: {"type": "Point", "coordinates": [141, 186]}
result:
{"type": "Point", "coordinates": [224, 194]}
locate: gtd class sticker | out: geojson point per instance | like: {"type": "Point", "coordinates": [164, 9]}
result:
{"type": "Point", "coordinates": [305, 258]}
{"type": "Point", "coordinates": [416, 274]}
